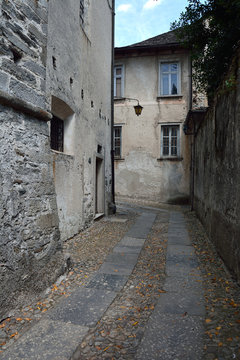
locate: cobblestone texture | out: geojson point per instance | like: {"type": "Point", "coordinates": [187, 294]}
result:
{"type": "Point", "coordinates": [118, 333]}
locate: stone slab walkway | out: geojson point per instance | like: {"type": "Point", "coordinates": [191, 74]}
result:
{"type": "Point", "coordinates": [175, 329]}
{"type": "Point", "coordinates": [57, 335]}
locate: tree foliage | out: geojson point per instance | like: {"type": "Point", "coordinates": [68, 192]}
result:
{"type": "Point", "coordinates": [211, 29]}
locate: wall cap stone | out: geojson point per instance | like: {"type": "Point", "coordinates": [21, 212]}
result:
{"type": "Point", "coordinates": [24, 107]}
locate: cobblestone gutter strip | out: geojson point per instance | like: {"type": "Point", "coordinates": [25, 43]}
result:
{"type": "Point", "coordinates": [119, 332]}
{"type": "Point", "coordinates": [222, 296]}
{"type": "Point", "coordinates": [87, 252]}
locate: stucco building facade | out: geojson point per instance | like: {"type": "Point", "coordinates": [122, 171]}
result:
{"type": "Point", "coordinates": [55, 135]}
{"type": "Point", "coordinates": [152, 155]}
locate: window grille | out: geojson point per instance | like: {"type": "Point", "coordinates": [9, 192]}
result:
{"type": "Point", "coordinates": [117, 141]}
{"type": "Point", "coordinates": [57, 134]}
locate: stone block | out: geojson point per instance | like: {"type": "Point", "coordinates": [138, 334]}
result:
{"type": "Point", "coordinates": [37, 34]}
{"type": "Point", "coordinates": [35, 68]}
{"type": "Point", "coordinates": [83, 307]}
{"type": "Point", "coordinates": [172, 336]}
{"type": "Point", "coordinates": [19, 43]}
{"type": "Point", "coordinates": [108, 282]}
{"type": "Point", "coordinates": [18, 72]}
{"type": "Point", "coordinates": [4, 81]}
{"type": "Point", "coordinates": [48, 340]}
{"type": "Point", "coordinates": [27, 94]}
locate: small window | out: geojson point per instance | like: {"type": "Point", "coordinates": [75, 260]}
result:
{"type": "Point", "coordinates": [81, 12]}
{"type": "Point", "coordinates": [170, 142]}
{"type": "Point", "coordinates": [118, 81]}
{"type": "Point", "coordinates": [117, 141]}
{"type": "Point", "coordinates": [57, 134]}
{"type": "Point", "coordinates": [169, 79]}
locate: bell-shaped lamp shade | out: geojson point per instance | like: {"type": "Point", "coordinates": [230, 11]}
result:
{"type": "Point", "coordinates": [138, 109]}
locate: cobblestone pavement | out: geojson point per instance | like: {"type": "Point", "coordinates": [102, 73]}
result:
{"type": "Point", "coordinates": [87, 251]}
{"type": "Point", "coordinates": [222, 298]}
{"type": "Point", "coordinates": [119, 332]}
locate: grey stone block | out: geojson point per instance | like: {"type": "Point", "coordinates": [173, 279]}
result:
{"type": "Point", "coordinates": [122, 258]}
{"type": "Point", "coordinates": [183, 284]}
{"type": "Point", "coordinates": [120, 269]}
{"type": "Point", "coordinates": [27, 94]}
{"type": "Point", "coordinates": [30, 14]}
{"type": "Point", "coordinates": [180, 250]}
{"type": "Point", "coordinates": [172, 336]}
{"type": "Point", "coordinates": [47, 340]}
{"type": "Point", "coordinates": [179, 240]}
{"type": "Point", "coordinates": [127, 249]}
{"type": "Point", "coordinates": [37, 34]}
{"type": "Point", "coordinates": [142, 226]}
{"type": "Point", "coordinates": [131, 241]}
{"type": "Point", "coordinates": [18, 72]}
{"type": "Point", "coordinates": [181, 270]}
{"type": "Point", "coordinates": [18, 43]}
{"type": "Point", "coordinates": [83, 307]}
{"type": "Point", "coordinates": [185, 303]}
{"type": "Point", "coordinates": [4, 81]}
{"type": "Point", "coordinates": [108, 282]}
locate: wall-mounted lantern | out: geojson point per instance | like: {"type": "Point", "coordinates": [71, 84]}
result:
{"type": "Point", "coordinates": [138, 108]}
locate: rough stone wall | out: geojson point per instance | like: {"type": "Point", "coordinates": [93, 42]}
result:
{"type": "Point", "coordinates": [217, 170]}
{"type": "Point", "coordinates": [23, 30]}
{"type": "Point", "coordinates": [30, 248]}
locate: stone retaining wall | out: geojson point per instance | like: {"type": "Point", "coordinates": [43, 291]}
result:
{"type": "Point", "coordinates": [217, 170]}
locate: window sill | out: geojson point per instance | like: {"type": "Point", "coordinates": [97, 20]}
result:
{"type": "Point", "coordinates": [178, 96]}
{"type": "Point", "coordinates": [62, 153]}
{"type": "Point", "coordinates": [118, 159]}
{"type": "Point", "coordinates": [170, 158]}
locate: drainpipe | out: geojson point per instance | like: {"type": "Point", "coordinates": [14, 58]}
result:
{"type": "Point", "coordinates": [112, 106]}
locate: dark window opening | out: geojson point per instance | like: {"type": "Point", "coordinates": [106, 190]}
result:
{"type": "Point", "coordinates": [81, 13]}
{"type": "Point", "coordinates": [54, 62]}
{"type": "Point", "coordinates": [16, 55]}
{"type": "Point", "coordinates": [57, 134]}
{"type": "Point", "coordinates": [99, 149]}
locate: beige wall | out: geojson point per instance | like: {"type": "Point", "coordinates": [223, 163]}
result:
{"type": "Point", "coordinates": [141, 173]}
{"type": "Point", "coordinates": [83, 83]}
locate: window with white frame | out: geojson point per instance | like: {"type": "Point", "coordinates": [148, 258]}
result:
{"type": "Point", "coordinates": [118, 81]}
{"type": "Point", "coordinates": [169, 79]}
{"type": "Point", "coordinates": [117, 141]}
{"type": "Point", "coordinates": [170, 141]}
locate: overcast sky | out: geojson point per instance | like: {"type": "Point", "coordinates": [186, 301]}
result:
{"type": "Point", "coordinates": [137, 20]}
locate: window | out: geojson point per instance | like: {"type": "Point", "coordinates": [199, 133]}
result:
{"type": "Point", "coordinates": [117, 141]}
{"type": "Point", "coordinates": [118, 81]}
{"type": "Point", "coordinates": [169, 79]}
{"type": "Point", "coordinates": [81, 11]}
{"type": "Point", "coordinates": [57, 134]}
{"type": "Point", "coordinates": [170, 140]}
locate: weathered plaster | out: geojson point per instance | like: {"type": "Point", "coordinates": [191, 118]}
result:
{"type": "Point", "coordinates": [140, 174]}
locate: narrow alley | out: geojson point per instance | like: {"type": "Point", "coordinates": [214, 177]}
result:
{"type": "Point", "coordinates": [143, 284]}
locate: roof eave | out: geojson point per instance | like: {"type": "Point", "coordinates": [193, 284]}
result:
{"type": "Point", "coordinates": [131, 49]}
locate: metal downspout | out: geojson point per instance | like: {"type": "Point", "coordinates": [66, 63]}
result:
{"type": "Point", "coordinates": [112, 104]}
